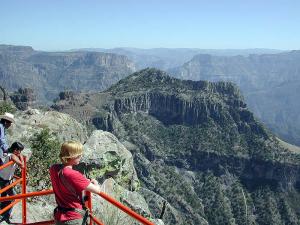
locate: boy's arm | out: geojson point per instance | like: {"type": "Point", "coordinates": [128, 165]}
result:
{"type": "Point", "coordinates": [19, 161]}
{"type": "Point", "coordinates": [94, 188]}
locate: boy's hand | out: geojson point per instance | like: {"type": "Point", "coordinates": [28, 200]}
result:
{"type": "Point", "coordinates": [93, 181]}
{"type": "Point", "coordinates": [18, 160]}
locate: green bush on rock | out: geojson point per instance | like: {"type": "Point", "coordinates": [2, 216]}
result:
{"type": "Point", "coordinates": [45, 150]}
{"type": "Point", "coordinates": [6, 107]}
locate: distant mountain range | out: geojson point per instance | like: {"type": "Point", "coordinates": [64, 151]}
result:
{"type": "Point", "coordinates": [166, 58]}
{"type": "Point", "coordinates": [269, 82]}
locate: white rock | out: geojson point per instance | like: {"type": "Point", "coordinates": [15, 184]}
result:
{"type": "Point", "coordinates": [29, 122]}
{"type": "Point", "coordinates": [105, 152]}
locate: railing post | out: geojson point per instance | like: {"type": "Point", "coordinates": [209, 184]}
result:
{"type": "Point", "coordinates": [89, 204]}
{"type": "Point", "coordinates": [24, 217]}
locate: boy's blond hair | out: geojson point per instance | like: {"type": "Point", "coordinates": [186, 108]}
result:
{"type": "Point", "coordinates": [70, 150]}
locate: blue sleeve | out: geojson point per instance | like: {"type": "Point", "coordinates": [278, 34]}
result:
{"type": "Point", "coordinates": [3, 144]}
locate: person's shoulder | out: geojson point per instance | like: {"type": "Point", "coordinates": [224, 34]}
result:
{"type": "Point", "coordinates": [71, 172]}
{"type": "Point", "coordinates": [55, 167]}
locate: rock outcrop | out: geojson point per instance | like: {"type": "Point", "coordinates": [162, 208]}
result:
{"type": "Point", "coordinates": [23, 98]}
{"type": "Point", "coordinates": [106, 157]}
{"type": "Point", "coordinates": [31, 121]}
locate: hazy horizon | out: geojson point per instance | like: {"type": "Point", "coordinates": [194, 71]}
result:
{"type": "Point", "coordinates": [154, 48]}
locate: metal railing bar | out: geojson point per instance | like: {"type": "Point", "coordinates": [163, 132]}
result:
{"type": "Point", "coordinates": [125, 209]}
{"type": "Point", "coordinates": [97, 221]}
{"type": "Point", "coordinates": [6, 165]}
{"type": "Point", "coordinates": [9, 206]}
{"type": "Point", "coordinates": [42, 223]}
{"type": "Point", "coordinates": [11, 185]}
{"type": "Point", "coordinates": [27, 195]}
{"type": "Point", "coordinates": [24, 205]}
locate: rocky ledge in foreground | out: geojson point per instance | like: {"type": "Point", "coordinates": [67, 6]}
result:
{"type": "Point", "coordinates": [105, 159]}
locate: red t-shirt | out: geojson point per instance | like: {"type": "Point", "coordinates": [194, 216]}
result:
{"type": "Point", "coordinates": [64, 196]}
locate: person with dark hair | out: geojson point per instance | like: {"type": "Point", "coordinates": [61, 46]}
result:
{"type": "Point", "coordinates": [68, 186]}
{"type": "Point", "coordinates": [5, 122]}
{"type": "Point", "coordinates": [7, 174]}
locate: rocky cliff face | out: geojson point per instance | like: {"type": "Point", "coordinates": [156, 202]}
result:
{"type": "Point", "coordinates": [269, 83]}
{"type": "Point", "coordinates": [198, 146]}
{"type": "Point", "coordinates": [50, 73]}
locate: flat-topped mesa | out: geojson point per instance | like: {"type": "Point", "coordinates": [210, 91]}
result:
{"type": "Point", "coordinates": [14, 48]}
{"type": "Point", "coordinates": [81, 59]}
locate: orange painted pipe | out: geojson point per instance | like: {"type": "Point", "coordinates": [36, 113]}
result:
{"type": "Point", "coordinates": [6, 165]}
{"type": "Point", "coordinates": [42, 223]}
{"type": "Point", "coordinates": [125, 209]}
{"type": "Point", "coordinates": [27, 195]}
{"type": "Point", "coordinates": [24, 206]}
{"type": "Point", "coordinates": [97, 221]}
{"type": "Point", "coordinates": [9, 206]}
{"type": "Point", "coordinates": [10, 186]}
{"type": "Point", "coordinates": [89, 204]}
{"type": "Point", "coordinates": [16, 177]}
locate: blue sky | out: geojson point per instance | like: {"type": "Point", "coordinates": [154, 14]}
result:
{"type": "Point", "coordinates": [223, 24]}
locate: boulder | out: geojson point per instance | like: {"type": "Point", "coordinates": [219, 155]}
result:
{"type": "Point", "coordinates": [104, 157]}
{"type": "Point", "coordinates": [34, 120]}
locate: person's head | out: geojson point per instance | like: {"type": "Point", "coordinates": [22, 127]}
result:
{"type": "Point", "coordinates": [16, 148]}
{"type": "Point", "coordinates": [7, 119]}
{"type": "Point", "coordinates": [71, 152]}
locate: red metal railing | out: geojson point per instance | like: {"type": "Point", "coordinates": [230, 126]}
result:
{"type": "Point", "coordinates": [23, 196]}
{"type": "Point", "coordinates": [19, 180]}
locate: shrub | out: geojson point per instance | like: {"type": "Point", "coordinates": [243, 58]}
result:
{"type": "Point", "coordinates": [6, 107]}
{"type": "Point", "coordinates": [45, 149]}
